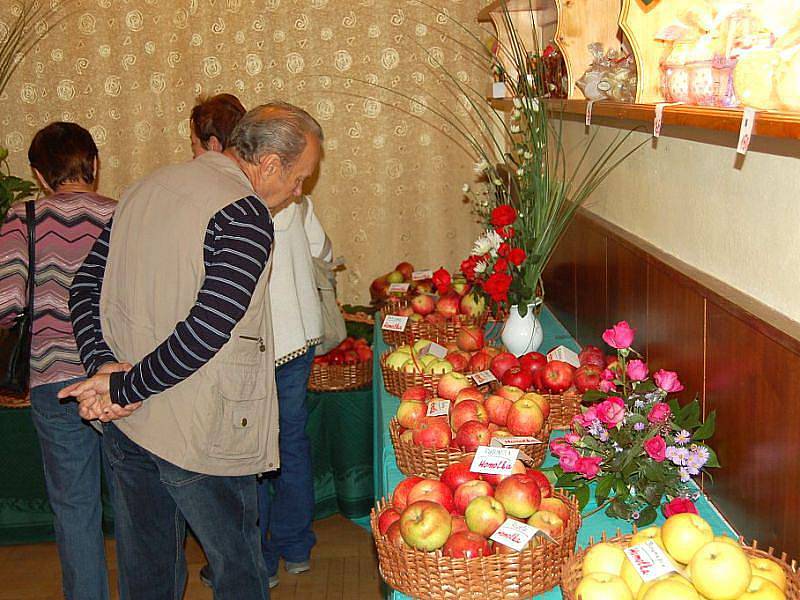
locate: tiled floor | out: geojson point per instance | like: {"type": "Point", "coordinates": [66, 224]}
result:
{"type": "Point", "coordinates": [343, 567]}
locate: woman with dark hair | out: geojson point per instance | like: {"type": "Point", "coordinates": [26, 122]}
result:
{"type": "Point", "coordinates": [67, 221]}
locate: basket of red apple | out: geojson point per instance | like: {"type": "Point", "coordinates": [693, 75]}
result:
{"type": "Point", "coordinates": [475, 536]}
{"type": "Point", "coordinates": [681, 560]}
{"type": "Point", "coordinates": [346, 367]}
{"type": "Point", "coordinates": [429, 433]}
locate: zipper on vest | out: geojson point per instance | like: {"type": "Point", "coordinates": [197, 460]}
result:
{"type": "Point", "coordinates": [260, 340]}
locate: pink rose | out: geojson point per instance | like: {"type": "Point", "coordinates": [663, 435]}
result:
{"type": "Point", "coordinates": [677, 506]}
{"type": "Point", "coordinates": [667, 381]}
{"type": "Point", "coordinates": [572, 437]}
{"type": "Point", "coordinates": [659, 413]}
{"type": "Point", "coordinates": [607, 386]}
{"type": "Point", "coordinates": [637, 370]}
{"type": "Point", "coordinates": [611, 411]}
{"type": "Point", "coordinates": [589, 466]}
{"type": "Point", "coordinates": [585, 419]}
{"type": "Point", "coordinates": [620, 336]}
{"type": "Point", "coordinates": [608, 375]}
{"type": "Point", "coordinates": [569, 460]}
{"type": "Point", "coordinates": [655, 448]}
{"type": "Point", "coordinates": [558, 445]}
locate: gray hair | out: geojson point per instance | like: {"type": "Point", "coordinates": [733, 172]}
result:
{"type": "Point", "coordinates": [275, 128]}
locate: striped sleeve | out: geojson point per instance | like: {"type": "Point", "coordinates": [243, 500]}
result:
{"type": "Point", "coordinates": [84, 306]}
{"type": "Point", "coordinates": [237, 244]}
{"type": "Point", "coordinates": [13, 266]}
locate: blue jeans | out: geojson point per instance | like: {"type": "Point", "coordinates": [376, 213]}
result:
{"type": "Point", "coordinates": [156, 499]}
{"type": "Point", "coordinates": [286, 497]}
{"type": "Point", "coordinates": [72, 458]}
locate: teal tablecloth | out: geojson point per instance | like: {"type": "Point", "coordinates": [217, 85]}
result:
{"type": "Point", "coordinates": [387, 475]}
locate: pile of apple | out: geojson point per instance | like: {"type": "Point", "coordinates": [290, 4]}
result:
{"type": "Point", "coordinates": [714, 568]}
{"type": "Point", "coordinates": [459, 512]}
{"type": "Point", "coordinates": [436, 311]}
{"type": "Point", "coordinates": [468, 354]}
{"type": "Point", "coordinates": [350, 351]}
{"type": "Point", "coordinates": [474, 418]}
{"type": "Point", "coordinates": [402, 273]}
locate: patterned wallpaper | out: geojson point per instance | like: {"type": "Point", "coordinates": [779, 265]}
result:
{"type": "Point", "coordinates": [389, 187]}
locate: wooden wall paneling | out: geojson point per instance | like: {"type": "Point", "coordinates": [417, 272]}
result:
{"type": "Point", "coordinates": [591, 301]}
{"type": "Point", "coordinates": [559, 282]}
{"type": "Point", "coordinates": [627, 288]}
{"type": "Point", "coordinates": [676, 328]}
{"type": "Point", "coordinates": [752, 383]}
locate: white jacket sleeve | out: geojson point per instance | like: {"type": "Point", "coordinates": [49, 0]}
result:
{"type": "Point", "coordinates": [318, 240]}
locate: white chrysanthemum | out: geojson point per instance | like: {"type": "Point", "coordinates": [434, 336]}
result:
{"type": "Point", "coordinates": [480, 167]}
{"type": "Point", "coordinates": [488, 243]}
{"type": "Point", "coordinates": [480, 267]}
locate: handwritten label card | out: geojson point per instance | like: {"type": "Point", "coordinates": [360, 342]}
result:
{"type": "Point", "coordinates": [564, 354]}
{"type": "Point", "coordinates": [483, 377]}
{"type": "Point", "coordinates": [516, 440]}
{"type": "Point", "coordinates": [394, 323]}
{"type": "Point", "coordinates": [746, 130]}
{"type": "Point", "coordinates": [421, 275]}
{"type": "Point", "coordinates": [401, 288]}
{"type": "Point", "coordinates": [438, 408]}
{"type": "Point", "coordinates": [649, 560]}
{"type": "Point", "coordinates": [435, 349]}
{"type": "Point", "coordinates": [514, 534]}
{"type": "Point", "coordinates": [494, 461]}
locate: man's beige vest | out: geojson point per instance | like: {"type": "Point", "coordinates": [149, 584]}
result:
{"type": "Point", "coordinates": [223, 420]}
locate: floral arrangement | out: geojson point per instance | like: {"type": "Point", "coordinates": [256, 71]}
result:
{"type": "Point", "coordinates": [637, 444]}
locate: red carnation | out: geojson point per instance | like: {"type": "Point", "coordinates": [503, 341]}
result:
{"type": "Point", "coordinates": [497, 286]}
{"type": "Point", "coordinates": [441, 279]}
{"type": "Point", "coordinates": [505, 232]}
{"type": "Point", "coordinates": [517, 256]}
{"type": "Point", "coordinates": [468, 267]}
{"type": "Point", "coordinates": [503, 215]}
{"type": "Point", "coordinates": [501, 265]}
{"type": "Point", "coordinates": [504, 249]}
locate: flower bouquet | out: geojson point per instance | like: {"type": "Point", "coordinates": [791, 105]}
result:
{"type": "Point", "coordinates": [634, 443]}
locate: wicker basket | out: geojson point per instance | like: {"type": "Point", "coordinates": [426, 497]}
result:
{"type": "Point", "coordinates": [515, 576]}
{"type": "Point", "coordinates": [396, 382]}
{"type": "Point", "coordinates": [563, 407]}
{"type": "Point", "coordinates": [444, 333]}
{"type": "Point", "coordinates": [572, 573]}
{"type": "Point", "coordinates": [337, 378]}
{"type": "Point", "coordinates": [427, 462]}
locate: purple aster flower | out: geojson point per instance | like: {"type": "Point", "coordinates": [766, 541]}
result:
{"type": "Point", "coordinates": [638, 426]}
{"type": "Point", "coordinates": [683, 437]}
{"type": "Point", "coordinates": [684, 472]}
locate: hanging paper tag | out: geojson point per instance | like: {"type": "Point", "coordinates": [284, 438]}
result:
{"type": "Point", "coordinates": [564, 354]}
{"type": "Point", "coordinates": [649, 560]}
{"type": "Point", "coordinates": [659, 120]}
{"type": "Point", "coordinates": [514, 440]}
{"type": "Point", "coordinates": [494, 461]}
{"type": "Point", "coordinates": [438, 408]}
{"type": "Point", "coordinates": [483, 377]}
{"type": "Point", "coordinates": [514, 534]}
{"type": "Point", "coordinates": [589, 112]}
{"type": "Point", "coordinates": [420, 275]}
{"type": "Point", "coordinates": [746, 130]}
{"type": "Point", "coordinates": [398, 287]}
{"type": "Point", "coordinates": [434, 349]}
{"type": "Point", "coordinates": [394, 323]}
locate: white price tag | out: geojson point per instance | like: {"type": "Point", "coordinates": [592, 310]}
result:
{"type": "Point", "coordinates": [564, 354]}
{"type": "Point", "coordinates": [438, 408]}
{"type": "Point", "coordinates": [494, 461]}
{"type": "Point", "coordinates": [658, 122]}
{"type": "Point", "coordinates": [483, 377]}
{"type": "Point", "coordinates": [515, 440]}
{"type": "Point", "coordinates": [514, 534]}
{"type": "Point", "coordinates": [649, 560]}
{"type": "Point", "coordinates": [420, 275]}
{"type": "Point", "coordinates": [499, 89]}
{"type": "Point", "coordinates": [398, 287]}
{"type": "Point", "coordinates": [434, 349]}
{"type": "Point", "coordinates": [394, 323]}
{"type": "Point", "coordinates": [589, 112]}
{"type": "Point", "coordinates": [746, 130]}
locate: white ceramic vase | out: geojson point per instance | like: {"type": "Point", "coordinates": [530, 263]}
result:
{"type": "Point", "coordinates": [522, 334]}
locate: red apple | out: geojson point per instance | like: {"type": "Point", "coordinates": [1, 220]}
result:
{"type": "Point", "coordinates": [459, 359]}
{"type": "Point", "coordinates": [394, 536]}
{"type": "Point", "coordinates": [472, 305]}
{"type": "Point", "coordinates": [435, 319]}
{"type": "Point", "coordinates": [400, 495]}
{"type": "Point", "coordinates": [484, 515]}
{"type": "Point", "coordinates": [510, 392]}
{"type": "Point", "coordinates": [458, 523]}
{"type": "Point", "coordinates": [379, 288]}
{"type": "Point", "coordinates": [470, 393]}
{"type": "Point", "coordinates": [458, 474]}
{"type": "Point", "coordinates": [425, 525]}
{"type": "Point", "coordinates": [386, 518]}
{"type": "Point", "coordinates": [519, 495]}
{"type": "Point", "coordinates": [471, 435]}
{"type": "Point", "coordinates": [405, 311]}
{"type": "Point", "coordinates": [518, 378]}
{"type": "Point", "coordinates": [432, 490]}
{"type": "Point", "coordinates": [588, 377]}
{"type": "Point", "coordinates": [418, 393]}
{"type": "Point", "coordinates": [502, 363]}
{"type": "Point", "coordinates": [480, 361]}
{"type": "Point", "coordinates": [557, 376]}
{"type": "Point", "coordinates": [460, 286]}
{"type": "Point", "coordinates": [407, 269]}
{"type": "Point", "coordinates": [525, 418]}
{"type": "Point", "coordinates": [470, 338]}
{"type": "Point", "coordinates": [432, 432]}
{"type": "Point", "coordinates": [532, 362]}
{"type": "Point", "coordinates": [557, 507]}
{"type": "Point", "coordinates": [542, 402]}
{"type": "Point", "coordinates": [364, 353]}
{"type": "Point", "coordinates": [466, 544]}
{"type": "Point", "coordinates": [452, 383]}
{"type": "Point", "coordinates": [468, 410]}
{"type": "Point", "coordinates": [548, 522]}
{"type": "Point", "coordinates": [423, 304]}
{"type": "Point", "coordinates": [497, 409]}
{"type": "Point", "coordinates": [410, 412]}
{"type": "Point", "coordinates": [592, 355]}
{"type": "Point", "coordinates": [545, 487]}
{"type": "Point", "coordinates": [407, 436]}
{"type": "Point", "coordinates": [467, 492]}
{"type": "Point", "coordinates": [448, 305]}
{"type": "Point", "coordinates": [517, 469]}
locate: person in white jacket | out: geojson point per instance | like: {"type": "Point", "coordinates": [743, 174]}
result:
{"type": "Point", "coordinates": [285, 497]}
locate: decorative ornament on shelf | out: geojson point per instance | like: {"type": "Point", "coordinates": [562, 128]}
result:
{"type": "Point", "coordinates": [634, 442]}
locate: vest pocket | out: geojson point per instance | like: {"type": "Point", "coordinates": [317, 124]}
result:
{"type": "Point", "coordinates": [239, 432]}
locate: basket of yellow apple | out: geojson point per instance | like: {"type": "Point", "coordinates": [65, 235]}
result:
{"type": "Point", "coordinates": [704, 566]}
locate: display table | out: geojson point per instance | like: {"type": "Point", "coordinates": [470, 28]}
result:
{"type": "Point", "coordinates": [387, 475]}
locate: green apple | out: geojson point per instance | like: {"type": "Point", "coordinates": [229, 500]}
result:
{"type": "Point", "coordinates": [438, 367]}
{"type": "Point", "coordinates": [397, 359]}
{"type": "Point", "coordinates": [684, 534]}
{"type": "Point", "coordinates": [395, 277]}
{"type": "Point", "coordinates": [631, 577]}
{"type": "Point", "coordinates": [769, 570]}
{"type": "Point", "coordinates": [420, 344]}
{"type": "Point", "coordinates": [604, 558]}
{"type": "Point", "coordinates": [669, 589]}
{"type": "Point", "coordinates": [603, 586]}
{"type": "Point", "coordinates": [412, 366]}
{"type": "Point", "coordinates": [427, 360]}
{"type": "Point", "coordinates": [720, 571]}
{"type": "Point", "coordinates": [672, 577]}
{"type": "Point", "coordinates": [762, 589]}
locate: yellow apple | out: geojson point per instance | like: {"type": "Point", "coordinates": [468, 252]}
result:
{"type": "Point", "coordinates": [769, 570]}
{"type": "Point", "coordinates": [648, 533]}
{"type": "Point", "coordinates": [603, 586]}
{"type": "Point", "coordinates": [720, 571]}
{"type": "Point", "coordinates": [603, 558]}
{"type": "Point", "coordinates": [671, 577]}
{"type": "Point", "coordinates": [670, 589]}
{"type": "Point", "coordinates": [631, 577]}
{"type": "Point", "coordinates": [762, 589]}
{"type": "Point", "coordinates": [726, 540]}
{"type": "Point", "coordinates": [684, 534]}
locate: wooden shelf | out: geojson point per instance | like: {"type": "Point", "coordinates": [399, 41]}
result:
{"type": "Point", "coordinates": [485, 14]}
{"type": "Point", "coordinates": [770, 124]}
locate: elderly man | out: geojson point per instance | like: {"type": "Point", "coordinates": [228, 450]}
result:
{"type": "Point", "coordinates": [178, 288]}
